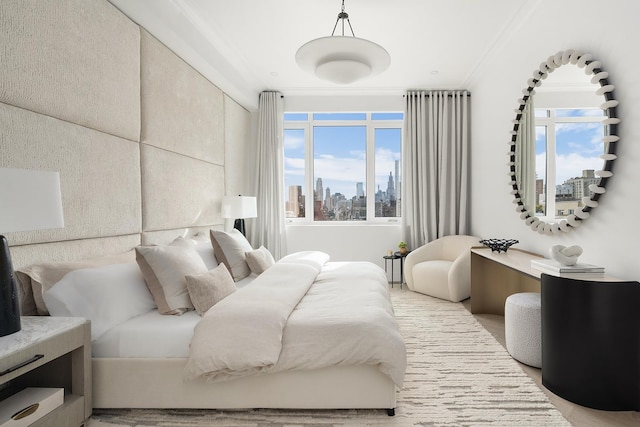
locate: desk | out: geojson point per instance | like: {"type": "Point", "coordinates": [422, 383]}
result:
{"type": "Point", "coordinates": [495, 276]}
{"type": "Point", "coordinates": [590, 328]}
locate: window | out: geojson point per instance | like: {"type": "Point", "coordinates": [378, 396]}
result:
{"type": "Point", "coordinates": [342, 166]}
{"type": "Point", "coordinates": [568, 146]}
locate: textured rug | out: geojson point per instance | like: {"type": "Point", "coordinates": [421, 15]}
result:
{"type": "Point", "coordinates": [457, 375]}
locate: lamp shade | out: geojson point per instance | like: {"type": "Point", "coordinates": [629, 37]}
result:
{"type": "Point", "coordinates": [31, 200]}
{"type": "Point", "coordinates": [239, 207]}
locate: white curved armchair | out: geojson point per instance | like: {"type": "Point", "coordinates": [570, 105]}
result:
{"type": "Point", "coordinates": [442, 268]}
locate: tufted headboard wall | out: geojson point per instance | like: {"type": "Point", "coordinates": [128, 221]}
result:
{"type": "Point", "coordinates": [137, 135]}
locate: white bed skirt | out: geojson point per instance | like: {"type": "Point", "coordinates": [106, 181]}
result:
{"type": "Point", "coordinates": [158, 383]}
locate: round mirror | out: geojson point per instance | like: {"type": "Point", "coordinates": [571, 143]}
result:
{"type": "Point", "coordinates": [563, 142]}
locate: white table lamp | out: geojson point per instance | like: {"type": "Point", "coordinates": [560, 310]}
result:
{"type": "Point", "coordinates": [239, 207]}
{"type": "Point", "coordinates": [29, 200]}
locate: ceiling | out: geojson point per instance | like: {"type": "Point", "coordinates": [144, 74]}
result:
{"type": "Point", "coordinates": [247, 46]}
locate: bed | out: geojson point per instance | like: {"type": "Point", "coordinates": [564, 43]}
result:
{"type": "Point", "coordinates": [304, 332]}
{"type": "Point", "coordinates": [155, 163]}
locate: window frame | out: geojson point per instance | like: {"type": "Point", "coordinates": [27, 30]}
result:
{"type": "Point", "coordinates": [370, 186]}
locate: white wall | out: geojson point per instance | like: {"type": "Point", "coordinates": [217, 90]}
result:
{"type": "Point", "coordinates": [609, 32]}
{"type": "Point", "coordinates": [346, 242]}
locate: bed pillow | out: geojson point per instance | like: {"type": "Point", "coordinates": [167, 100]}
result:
{"type": "Point", "coordinates": [202, 246]}
{"type": "Point", "coordinates": [106, 295]}
{"type": "Point", "coordinates": [206, 290]}
{"type": "Point", "coordinates": [164, 269]}
{"type": "Point", "coordinates": [36, 279]}
{"type": "Point", "coordinates": [259, 260]}
{"type": "Point", "coordinates": [229, 249]}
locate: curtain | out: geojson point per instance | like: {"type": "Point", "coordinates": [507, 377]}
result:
{"type": "Point", "coordinates": [526, 156]}
{"type": "Point", "coordinates": [435, 165]}
{"type": "Point", "coordinates": [269, 230]}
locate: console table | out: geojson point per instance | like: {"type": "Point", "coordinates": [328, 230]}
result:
{"type": "Point", "coordinates": [495, 276]}
{"type": "Point", "coordinates": [50, 352]}
{"type": "Point", "coordinates": [590, 326]}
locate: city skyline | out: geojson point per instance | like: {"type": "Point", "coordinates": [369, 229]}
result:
{"type": "Point", "coordinates": [341, 159]}
{"type": "Point", "coordinates": [330, 205]}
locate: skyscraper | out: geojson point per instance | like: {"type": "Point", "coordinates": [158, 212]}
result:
{"type": "Point", "coordinates": [319, 191]}
{"type": "Point", "coordinates": [295, 201]}
{"type": "Point", "coordinates": [359, 189]}
{"type": "Point", "coordinates": [391, 189]}
{"type": "Point", "coordinates": [327, 199]}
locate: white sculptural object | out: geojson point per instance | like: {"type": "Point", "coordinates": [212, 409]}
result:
{"type": "Point", "coordinates": [566, 255]}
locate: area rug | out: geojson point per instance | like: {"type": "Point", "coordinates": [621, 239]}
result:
{"type": "Point", "coordinates": [457, 375]}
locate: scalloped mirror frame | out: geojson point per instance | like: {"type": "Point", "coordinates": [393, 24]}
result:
{"type": "Point", "coordinates": [610, 140]}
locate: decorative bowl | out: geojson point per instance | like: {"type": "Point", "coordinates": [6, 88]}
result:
{"type": "Point", "coordinates": [498, 245]}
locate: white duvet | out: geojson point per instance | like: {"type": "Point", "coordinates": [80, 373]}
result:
{"type": "Point", "coordinates": [301, 314]}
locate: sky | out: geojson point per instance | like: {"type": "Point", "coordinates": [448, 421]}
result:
{"type": "Point", "coordinates": [340, 156]}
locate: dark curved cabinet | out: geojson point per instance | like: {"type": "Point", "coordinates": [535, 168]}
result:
{"type": "Point", "coordinates": [591, 342]}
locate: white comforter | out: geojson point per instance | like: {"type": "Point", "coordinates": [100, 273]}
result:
{"type": "Point", "coordinates": [302, 313]}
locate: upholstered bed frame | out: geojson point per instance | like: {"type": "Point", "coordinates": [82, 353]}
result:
{"type": "Point", "coordinates": [146, 148]}
{"type": "Point", "coordinates": [117, 385]}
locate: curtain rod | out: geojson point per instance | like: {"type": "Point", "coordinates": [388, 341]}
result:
{"type": "Point", "coordinates": [273, 91]}
{"type": "Point", "coordinates": [449, 94]}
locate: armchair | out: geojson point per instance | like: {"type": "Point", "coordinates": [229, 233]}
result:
{"type": "Point", "coordinates": [442, 267]}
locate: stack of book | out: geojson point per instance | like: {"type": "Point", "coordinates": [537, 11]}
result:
{"type": "Point", "coordinates": [551, 266]}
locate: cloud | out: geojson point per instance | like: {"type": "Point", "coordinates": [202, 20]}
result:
{"type": "Point", "coordinates": [567, 166]}
{"type": "Point", "coordinates": [293, 167]}
{"type": "Point", "coordinates": [294, 139]}
{"type": "Point", "coordinates": [340, 174]}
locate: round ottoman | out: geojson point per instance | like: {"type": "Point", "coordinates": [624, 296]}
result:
{"type": "Point", "coordinates": [523, 329]}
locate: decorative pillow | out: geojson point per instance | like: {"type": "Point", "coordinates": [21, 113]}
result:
{"type": "Point", "coordinates": [164, 268]}
{"type": "Point", "coordinates": [38, 278]}
{"type": "Point", "coordinates": [259, 260]}
{"type": "Point", "coordinates": [106, 295]}
{"type": "Point", "coordinates": [206, 290]}
{"type": "Point", "coordinates": [230, 248]}
{"type": "Point", "coordinates": [202, 246]}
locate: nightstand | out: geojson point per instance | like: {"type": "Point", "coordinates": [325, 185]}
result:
{"type": "Point", "coordinates": [50, 352]}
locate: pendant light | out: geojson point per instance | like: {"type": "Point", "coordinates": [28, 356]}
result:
{"type": "Point", "coordinates": [342, 59]}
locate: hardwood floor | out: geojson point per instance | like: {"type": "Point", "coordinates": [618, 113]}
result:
{"type": "Point", "coordinates": [578, 415]}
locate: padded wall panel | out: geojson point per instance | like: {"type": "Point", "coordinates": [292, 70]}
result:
{"type": "Point", "coordinates": [99, 174]}
{"type": "Point", "coordinates": [179, 191]}
{"type": "Point", "coordinates": [75, 60]}
{"type": "Point", "coordinates": [181, 110]}
{"type": "Point", "coordinates": [22, 256]}
{"type": "Point", "coordinates": [237, 122]}
{"type": "Point", "coordinates": [164, 237]}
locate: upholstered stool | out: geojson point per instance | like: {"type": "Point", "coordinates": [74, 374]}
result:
{"type": "Point", "coordinates": [523, 329]}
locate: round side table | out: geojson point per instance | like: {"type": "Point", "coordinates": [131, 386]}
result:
{"type": "Point", "coordinates": [402, 256]}
{"type": "Point", "coordinates": [391, 258]}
